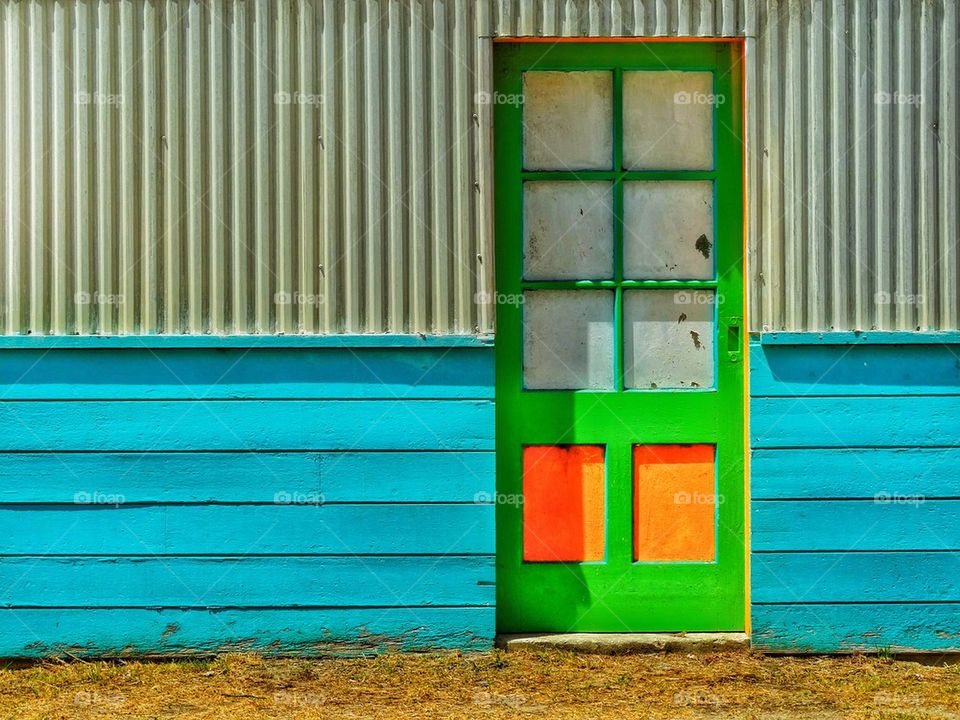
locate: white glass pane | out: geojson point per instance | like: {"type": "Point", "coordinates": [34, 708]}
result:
{"type": "Point", "coordinates": [567, 120]}
{"type": "Point", "coordinates": [668, 230]}
{"type": "Point", "coordinates": [567, 230]}
{"type": "Point", "coordinates": [668, 120]}
{"type": "Point", "coordinates": [568, 339]}
{"type": "Point", "coordinates": [668, 338]}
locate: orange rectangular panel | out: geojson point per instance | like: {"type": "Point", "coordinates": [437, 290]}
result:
{"type": "Point", "coordinates": [674, 503]}
{"type": "Point", "coordinates": [563, 503]}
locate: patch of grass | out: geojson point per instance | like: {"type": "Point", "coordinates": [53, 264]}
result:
{"type": "Point", "coordinates": [490, 685]}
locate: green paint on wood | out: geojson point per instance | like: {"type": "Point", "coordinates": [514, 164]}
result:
{"type": "Point", "coordinates": [618, 594]}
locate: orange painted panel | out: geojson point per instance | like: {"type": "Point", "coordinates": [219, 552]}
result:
{"type": "Point", "coordinates": [674, 503]}
{"type": "Point", "coordinates": [563, 503]}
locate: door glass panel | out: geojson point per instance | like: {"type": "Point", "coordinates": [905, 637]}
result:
{"type": "Point", "coordinates": [669, 338]}
{"type": "Point", "coordinates": [568, 339]}
{"type": "Point", "coordinates": [668, 120]}
{"type": "Point", "coordinates": [668, 230]}
{"type": "Point", "coordinates": [567, 230]}
{"type": "Point", "coordinates": [567, 120]}
{"type": "Point", "coordinates": [674, 503]}
{"type": "Point", "coordinates": [563, 503]}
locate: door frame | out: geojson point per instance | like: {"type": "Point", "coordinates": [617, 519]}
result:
{"type": "Point", "coordinates": [591, 52]}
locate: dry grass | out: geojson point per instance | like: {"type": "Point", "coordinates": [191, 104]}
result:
{"type": "Point", "coordinates": [495, 685]}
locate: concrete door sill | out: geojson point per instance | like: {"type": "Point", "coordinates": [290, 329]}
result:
{"type": "Point", "coordinates": [626, 643]}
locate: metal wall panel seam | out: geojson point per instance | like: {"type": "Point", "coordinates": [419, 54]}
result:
{"type": "Point", "coordinates": [949, 141]}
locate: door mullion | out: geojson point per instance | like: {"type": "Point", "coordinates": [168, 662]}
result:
{"type": "Point", "coordinates": [619, 508]}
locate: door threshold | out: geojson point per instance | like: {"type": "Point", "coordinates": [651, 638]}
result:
{"type": "Point", "coordinates": [627, 643]}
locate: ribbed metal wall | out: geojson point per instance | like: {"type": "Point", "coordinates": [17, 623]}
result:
{"type": "Point", "coordinates": [247, 166]}
{"type": "Point", "coordinates": [855, 180]}
{"type": "Point", "coordinates": [619, 18]}
{"type": "Point", "coordinates": [207, 204]}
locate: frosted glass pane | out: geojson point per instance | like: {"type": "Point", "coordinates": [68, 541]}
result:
{"type": "Point", "coordinates": [668, 120]}
{"type": "Point", "coordinates": [668, 230]}
{"type": "Point", "coordinates": [567, 230]}
{"type": "Point", "coordinates": [668, 338]}
{"type": "Point", "coordinates": [568, 339]}
{"type": "Point", "coordinates": [567, 120]}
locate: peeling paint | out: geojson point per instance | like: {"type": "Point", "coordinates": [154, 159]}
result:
{"type": "Point", "coordinates": [171, 629]}
{"type": "Point", "coordinates": [703, 246]}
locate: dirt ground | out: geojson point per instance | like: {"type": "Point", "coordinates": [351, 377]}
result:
{"type": "Point", "coordinates": [494, 685]}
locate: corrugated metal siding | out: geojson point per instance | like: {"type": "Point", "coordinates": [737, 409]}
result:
{"type": "Point", "coordinates": [367, 200]}
{"type": "Point", "coordinates": [258, 166]}
{"type": "Point", "coordinates": [619, 18]}
{"type": "Point", "coordinates": [855, 177]}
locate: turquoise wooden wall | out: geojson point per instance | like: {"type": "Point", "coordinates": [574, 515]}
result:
{"type": "Point", "coordinates": [289, 500]}
{"type": "Point", "coordinates": [855, 484]}
{"type": "Point", "coordinates": [338, 499]}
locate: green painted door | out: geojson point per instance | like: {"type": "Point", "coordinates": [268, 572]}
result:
{"type": "Point", "coordinates": [620, 414]}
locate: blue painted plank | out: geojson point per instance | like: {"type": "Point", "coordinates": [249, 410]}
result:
{"type": "Point", "coordinates": [258, 425]}
{"type": "Point", "coordinates": [271, 373]}
{"type": "Point", "coordinates": [889, 523]}
{"type": "Point", "coordinates": [856, 628]}
{"type": "Point", "coordinates": [865, 577]}
{"type": "Point", "coordinates": [246, 529]}
{"type": "Point", "coordinates": [159, 342]}
{"type": "Point", "coordinates": [113, 632]}
{"type": "Point", "coordinates": [247, 582]}
{"type": "Point", "coordinates": [855, 421]}
{"type": "Point", "coordinates": [411, 477]}
{"type": "Point", "coordinates": [157, 477]}
{"type": "Point", "coordinates": [812, 370]}
{"type": "Point", "coordinates": [408, 477]}
{"type": "Point", "coordinates": [858, 337]}
{"type": "Point", "coordinates": [856, 473]}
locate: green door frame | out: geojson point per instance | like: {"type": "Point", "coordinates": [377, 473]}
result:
{"type": "Point", "coordinates": [619, 594]}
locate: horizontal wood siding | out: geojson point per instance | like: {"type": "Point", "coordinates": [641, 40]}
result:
{"type": "Point", "coordinates": [301, 500]}
{"type": "Point", "coordinates": [855, 530]}
{"type": "Point", "coordinates": [290, 630]}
